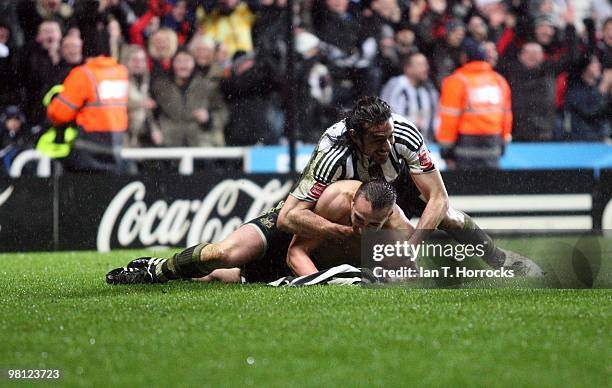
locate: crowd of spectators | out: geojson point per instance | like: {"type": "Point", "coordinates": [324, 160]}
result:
{"type": "Point", "coordinates": [212, 72]}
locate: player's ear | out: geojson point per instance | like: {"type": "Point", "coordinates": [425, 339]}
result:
{"type": "Point", "coordinates": [352, 134]}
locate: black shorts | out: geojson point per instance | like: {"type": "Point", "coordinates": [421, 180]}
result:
{"type": "Point", "coordinates": [273, 264]}
{"type": "Point", "coordinates": [409, 198]}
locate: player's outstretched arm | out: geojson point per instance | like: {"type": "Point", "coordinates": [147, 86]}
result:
{"type": "Point", "coordinates": [297, 217]}
{"type": "Point", "coordinates": [298, 255]}
{"type": "Point", "coordinates": [432, 188]}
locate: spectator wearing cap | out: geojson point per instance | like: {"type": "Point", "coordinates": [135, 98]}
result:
{"type": "Point", "coordinates": [447, 51]}
{"type": "Point", "coordinates": [13, 136]}
{"type": "Point", "coordinates": [544, 30]}
{"type": "Point", "coordinates": [475, 114]}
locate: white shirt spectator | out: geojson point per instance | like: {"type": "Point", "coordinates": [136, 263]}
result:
{"type": "Point", "coordinates": [418, 104]}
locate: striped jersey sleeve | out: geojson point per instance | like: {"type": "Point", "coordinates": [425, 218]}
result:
{"type": "Point", "coordinates": [410, 146]}
{"type": "Point", "coordinates": [329, 163]}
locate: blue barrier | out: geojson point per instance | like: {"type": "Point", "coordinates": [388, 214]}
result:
{"type": "Point", "coordinates": [518, 156]}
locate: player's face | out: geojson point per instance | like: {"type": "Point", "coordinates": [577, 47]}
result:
{"type": "Point", "coordinates": [364, 217]}
{"type": "Point", "coordinates": [377, 142]}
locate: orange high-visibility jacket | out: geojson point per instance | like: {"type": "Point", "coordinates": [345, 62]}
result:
{"type": "Point", "coordinates": [95, 96]}
{"type": "Point", "coordinates": [474, 100]}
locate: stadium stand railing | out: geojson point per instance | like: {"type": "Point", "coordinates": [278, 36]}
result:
{"type": "Point", "coordinates": [185, 156]}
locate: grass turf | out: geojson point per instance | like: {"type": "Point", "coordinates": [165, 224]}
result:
{"type": "Point", "coordinates": [57, 312]}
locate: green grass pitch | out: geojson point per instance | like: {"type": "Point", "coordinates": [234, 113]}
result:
{"type": "Point", "coordinates": [58, 313]}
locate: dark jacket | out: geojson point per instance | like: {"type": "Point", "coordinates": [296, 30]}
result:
{"type": "Point", "coordinates": [37, 74]}
{"type": "Point", "coordinates": [248, 94]}
{"type": "Point", "coordinates": [589, 112]}
{"type": "Point", "coordinates": [533, 101]}
{"type": "Point", "coordinates": [338, 30]}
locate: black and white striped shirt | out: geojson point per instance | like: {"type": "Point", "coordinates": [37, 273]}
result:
{"type": "Point", "coordinates": [331, 161]}
{"type": "Point", "coordinates": [418, 104]}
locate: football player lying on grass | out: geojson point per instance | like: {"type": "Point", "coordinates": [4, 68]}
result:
{"type": "Point", "coordinates": [260, 252]}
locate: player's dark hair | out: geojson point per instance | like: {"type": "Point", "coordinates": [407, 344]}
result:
{"type": "Point", "coordinates": [369, 111]}
{"type": "Point", "coordinates": [379, 193]}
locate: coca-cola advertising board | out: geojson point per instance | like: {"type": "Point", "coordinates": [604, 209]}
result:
{"type": "Point", "coordinates": [109, 212]}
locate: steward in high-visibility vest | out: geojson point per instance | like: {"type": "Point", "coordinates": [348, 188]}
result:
{"type": "Point", "coordinates": [475, 113]}
{"type": "Point", "coordinates": [56, 143]}
{"type": "Point", "coordinates": [94, 96]}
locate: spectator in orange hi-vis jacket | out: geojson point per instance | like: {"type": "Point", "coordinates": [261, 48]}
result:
{"type": "Point", "coordinates": [94, 97]}
{"type": "Point", "coordinates": [475, 112]}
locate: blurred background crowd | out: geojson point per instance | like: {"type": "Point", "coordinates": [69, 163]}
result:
{"type": "Point", "coordinates": [212, 72]}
